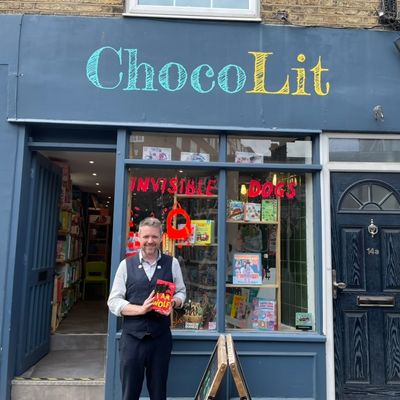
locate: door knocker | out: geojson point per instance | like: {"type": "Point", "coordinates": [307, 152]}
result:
{"type": "Point", "coordinates": [372, 229]}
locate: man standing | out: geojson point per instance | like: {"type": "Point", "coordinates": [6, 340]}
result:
{"type": "Point", "coordinates": [146, 342]}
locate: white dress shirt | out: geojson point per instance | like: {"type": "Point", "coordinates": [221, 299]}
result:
{"type": "Point", "coordinates": [117, 298]}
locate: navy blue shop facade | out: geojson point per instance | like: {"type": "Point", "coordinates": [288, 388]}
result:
{"type": "Point", "coordinates": [226, 121]}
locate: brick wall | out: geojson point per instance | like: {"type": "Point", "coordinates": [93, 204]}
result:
{"type": "Point", "coordinates": [334, 13]}
{"type": "Point", "coordinates": [63, 7]}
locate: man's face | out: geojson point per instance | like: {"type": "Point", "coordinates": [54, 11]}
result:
{"type": "Point", "coordinates": [150, 240]}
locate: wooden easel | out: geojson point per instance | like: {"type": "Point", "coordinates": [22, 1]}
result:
{"type": "Point", "coordinates": [224, 355]}
{"type": "Point", "coordinates": [236, 369]}
{"type": "Point", "coordinates": [214, 372]}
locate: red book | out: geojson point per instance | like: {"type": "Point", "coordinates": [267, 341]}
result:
{"type": "Point", "coordinates": [164, 292]}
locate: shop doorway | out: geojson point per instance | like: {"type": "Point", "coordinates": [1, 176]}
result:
{"type": "Point", "coordinates": [366, 266]}
{"type": "Point", "coordinates": [64, 315]}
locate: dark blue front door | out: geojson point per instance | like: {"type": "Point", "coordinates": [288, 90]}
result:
{"type": "Point", "coordinates": [366, 257]}
{"type": "Point", "coordinates": [39, 261]}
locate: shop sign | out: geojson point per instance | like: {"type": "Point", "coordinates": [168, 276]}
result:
{"type": "Point", "coordinates": [204, 78]}
{"type": "Point", "coordinates": [186, 186]}
{"type": "Point", "coordinates": [268, 189]}
{"type": "Point", "coordinates": [208, 187]}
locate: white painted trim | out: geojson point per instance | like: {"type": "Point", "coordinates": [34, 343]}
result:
{"type": "Point", "coordinates": [327, 168]}
{"type": "Point", "coordinates": [132, 8]}
{"type": "Point", "coordinates": [363, 167]}
{"type": "Point", "coordinates": [327, 268]}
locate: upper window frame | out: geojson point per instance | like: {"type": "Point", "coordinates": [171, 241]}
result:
{"type": "Point", "coordinates": [132, 9]}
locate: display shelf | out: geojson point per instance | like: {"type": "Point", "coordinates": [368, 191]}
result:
{"type": "Point", "coordinates": [237, 323]}
{"type": "Point", "coordinates": [204, 262]}
{"type": "Point", "coordinates": [199, 266]}
{"type": "Point", "coordinates": [201, 286]}
{"type": "Point", "coordinates": [266, 285]}
{"type": "Point", "coordinates": [196, 245]}
{"type": "Point", "coordinates": [252, 241]}
{"type": "Point", "coordinates": [229, 221]}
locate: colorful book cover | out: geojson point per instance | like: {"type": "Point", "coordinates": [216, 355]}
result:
{"type": "Point", "coordinates": [247, 269]}
{"type": "Point", "coordinates": [238, 303]}
{"type": "Point", "coordinates": [264, 314]}
{"type": "Point", "coordinates": [204, 231]}
{"type": "Point", "coordinates": [235, 210]}
{"type": "Point", "coordinates": [190, 240]}
{"type": "Point", "coordinates": [198, 157]}
{"type": "Point", "coordinates": [243, 157]}
{"type": "Point", "coordinates": [269, 210]}
{"type": "Point", "coordinates": [156, 153]}
{"type": "Point", "coordinates": [252, 212]}
{"type": "Point", "coordinates": [164, 291]}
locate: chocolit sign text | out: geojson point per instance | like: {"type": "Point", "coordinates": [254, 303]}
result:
{"type": "Point", "coordinates": [135, 74]}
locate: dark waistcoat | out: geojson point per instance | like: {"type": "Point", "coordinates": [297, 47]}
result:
{"type": "Point", "coordinates": [138, 288]}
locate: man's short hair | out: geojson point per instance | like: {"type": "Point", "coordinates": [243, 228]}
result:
{"type": "Point", "coordinates": [151, 221]}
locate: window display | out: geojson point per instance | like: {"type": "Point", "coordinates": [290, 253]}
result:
{"type": "Point", "coordinates": [186, 203]}
{"type": "Point", "coordinates": [267, 270]}
{"type": "Point", "coordinates": [267, 266]}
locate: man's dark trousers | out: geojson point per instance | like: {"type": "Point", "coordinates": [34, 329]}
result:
{"type": "Point", "coordinates": [148, 355]}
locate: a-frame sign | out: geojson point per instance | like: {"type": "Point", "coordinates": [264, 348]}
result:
{"type": "Point", "coordinates": [223, 356]}
{"type": "Point", "coordinates": [236, 370]}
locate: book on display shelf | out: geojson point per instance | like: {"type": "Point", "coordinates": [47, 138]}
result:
{"type": "Point", "coordinates": [247, 269]}
{"type": "Point", "coordinates": [264, 315]}
{"type": "Point", "coordinates": [244, 157]}
{"type": "Point", "coordinates": [235, 210]}
{"type": "Point", "coordinates": [252, 212]}
{"type": "Point", "coordinates": [269, 210]}
{"type": "Point", "coordinates": [198, 157]}
{"type": "Point", "coordinates": [156, 153]}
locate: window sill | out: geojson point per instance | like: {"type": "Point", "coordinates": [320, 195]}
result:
{"type": "Point", "coordinates": [196, 17]}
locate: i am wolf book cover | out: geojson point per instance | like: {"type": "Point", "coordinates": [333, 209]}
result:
{"type": "Point", "coordinates": [164, 292]}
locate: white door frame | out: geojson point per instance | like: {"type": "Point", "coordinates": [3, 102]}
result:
{"type": "Point", "coordinates": [327, 168]}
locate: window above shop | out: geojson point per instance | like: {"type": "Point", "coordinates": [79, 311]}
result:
{"type": "Point", "coordinates": [204, 9]}
{"type": "Point", "coordinates": [262, 150]}
{"type": "Point", "coordinates": [364, 150]}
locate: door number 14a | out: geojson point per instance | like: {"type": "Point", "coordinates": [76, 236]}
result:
{"type": "Point", "coordinates": [372, 252]}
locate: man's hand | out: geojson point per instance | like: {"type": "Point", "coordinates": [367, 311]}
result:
{"type": "Point", "coordinates": [146, 306]}
{"type": "Point", "coordinates": [175, 303]}
{"type": "Point", "coordinates": [133, 309]}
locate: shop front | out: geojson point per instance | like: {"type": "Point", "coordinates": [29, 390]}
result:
{"type": "Point", "coordinates": [223, 131]}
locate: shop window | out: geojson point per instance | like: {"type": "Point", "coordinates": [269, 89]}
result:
{"type": "Point", "coordinates": [182, 199]}
{"type": "Point", "coordinates": [268, 264]}
{"type": "Point", "coordinates": [369, 196]}
{"type": "Point", "coordinates": [364, 150]}
{"type": "Point", "coordinates": [269, 275]}
{"type": "Point", "coordinates": [256, 150]}
{"type": "Point", "coordinates": [212, 9]}
{"type": "Point", "coordinates": [172, 147]}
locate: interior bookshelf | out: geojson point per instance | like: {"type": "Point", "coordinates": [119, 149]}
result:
{"type": "Point", "coordinates": [98, 235]}
{"type": "Point", "coordinates": [68, 266]}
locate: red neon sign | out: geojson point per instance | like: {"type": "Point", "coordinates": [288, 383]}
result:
{"type": "Point", "coordinates": [187, 186]}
